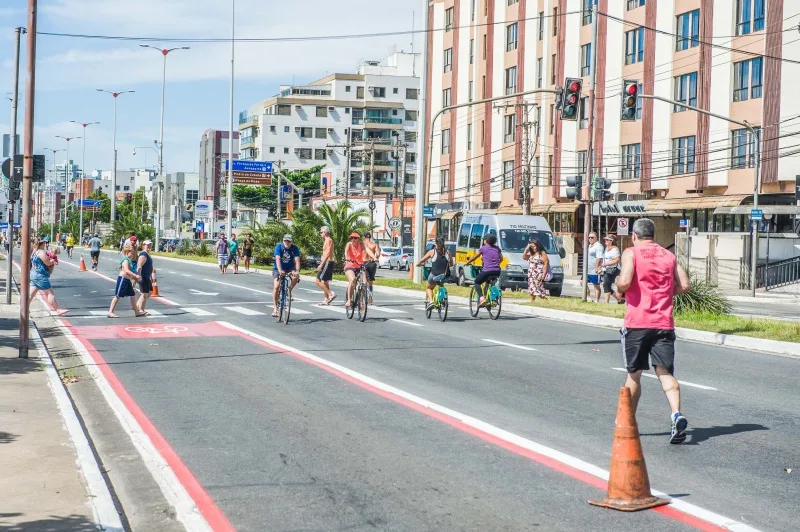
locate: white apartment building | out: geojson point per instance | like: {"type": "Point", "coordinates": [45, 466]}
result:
{"type": "Point", "coordinates": [310, 125]}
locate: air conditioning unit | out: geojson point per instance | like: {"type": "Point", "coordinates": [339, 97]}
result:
{"type": "Point", "coordinates": [331, 108]}
{"type": "Point", "coordinates": [484, 205]}
{"type": "Point", "coordinates": [298, 107]}
{"type": "Point", "coordinates": [330, 151]}
{"type": "Point", "coordinates": [297, 150]}
{"type": "Point", "coordinates": [297, 129]}
{"type": "Point", "coordinates": [330, 130]}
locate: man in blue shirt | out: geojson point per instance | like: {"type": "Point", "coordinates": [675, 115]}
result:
{"type": "Point", "coordinates": [287, 262]}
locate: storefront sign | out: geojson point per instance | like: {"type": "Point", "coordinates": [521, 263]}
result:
{"type": "Point", "coordinates": [618, 208]}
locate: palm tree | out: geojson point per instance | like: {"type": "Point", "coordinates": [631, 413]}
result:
{"type": "Point", "coordinates": [343, 220]}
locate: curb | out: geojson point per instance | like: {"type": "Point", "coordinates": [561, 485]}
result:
{"type": "Point", "coordinates": [761, 345]}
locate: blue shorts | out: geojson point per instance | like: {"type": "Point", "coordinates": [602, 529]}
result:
{"type": "Point", "coordinates": [124, 288]}
{"type": "Point", "coordinates": [40, 281]}
{"type": "Point", "coordinates": [594, 279]}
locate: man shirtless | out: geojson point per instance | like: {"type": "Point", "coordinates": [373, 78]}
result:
{"type": "Point", "coordinates": [372, 252]}
{"type": "Point", "coordinates": [325, 268]}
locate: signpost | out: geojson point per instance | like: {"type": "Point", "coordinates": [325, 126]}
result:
{"type": "Point", "coordinates": [756, 215]}
{"type": "Point", "coordinates": [684, 223]}
{"type": "Point", "coordinates": [203, 208]}
{"type": "Point", "coordinates": [427, 211]}
{"type": "Point", "coordinates": [395, 223]}
{"type": "Point", "coordinates": [255, 173]}
{"type": "Point", "coordinates": [622, 226]}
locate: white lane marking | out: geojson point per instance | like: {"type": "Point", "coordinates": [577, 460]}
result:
{"type": "Point", "coordinates": [496, 432]}
{"type": "Point", "coordinates": [197, 311]}
{"type": "Point", "coordinates": [237, 286]}
{"type": "Point", "coordinates": [88, 317]}
{"type": "Point", "coordinates": [515, 346]}
{"type": "Point", "coordinates": [186, 275]}
{"type": "Point", "coordinates": [340, 310]}
{"type": "Point", "coordinates": [166, 301]}
{"type": "Point", "coordinates": [309, 290]}
{"type": "Point", "coordinates": [405, 322]}
{"type": "Point", "coordinates": [103, 509]}
{"type": "Point", "coordinates": [171, 271]}
{"type": "Point", "coordinates": [196, 292]}
{"type": "Point", "coordinates": [155, 314]}
{"type": "Point", "coordinates": [300, 311]}
{"type": "Point", "coordinates": [387, 310]}
{"type": "Point", "coordinates": [99, 313]}
{"type": "Point", "coordinates": [682, 383]}
{"type": "Point", "coordinates": [245, 311]}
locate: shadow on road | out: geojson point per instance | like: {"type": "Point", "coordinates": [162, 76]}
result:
{"type": "Point", "coordinates": [700, 434]}
{"type": "Point", "coordinates": [71, 523]}
{"type": "Point", "coordinates": [7, 437]}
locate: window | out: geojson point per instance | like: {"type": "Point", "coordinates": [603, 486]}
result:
{"type": "Point", "coordinates": [360, 93]}
{"type": "Point", "coordinates": [586, 6]}
{"type": "Point", "coordinates": [512, 2]}
{"type": "Point", "coordinates": [320, 155]}
{"type": "Point", "coordinates": [471, 51]}
{"type": "Point", "coordinates": [394, 112]}
{"type": "Point", "coordinates": [448, 60]}
{"type": "Point", "coordinates": [445, 141]}
{"type": "Point", "coordinates": [550, 172]}
{"type": "Point", "coordinates": [633, 4]}
{"type": "Point", "coordinates": [508, 174]}
{"type": "Point", "coordinates": [448, 18]}
{"type": "Point", "coordinates": [580, 161]}
{"type": "Point", "coordinates": [743, 150]}
{"type": "Point", "coordinates": [192, 196]}
{"type": "Point", "coordinates": [444, 181]}
{"type": "Point", "coordinates": [539, 62]}
{"type": "Point", "coordinates": [446, 101]}
{"type": "Point", "coordinates": [470, 90]}
{"type": "Point", "coordinates": [476, 236]}
{"type": "Point", "coordinates": [285, 151]}
{"type": "Point", "coordinates": [485, 8]}
{"type": "Point", "coordinates": [284, 110]}
{"type": "Point", "coordinates": [511, 37]}
{"type": "Point", "coordinates": [552, 118]}
{"type": "Point", "coordinates": [748, 75]}
{"type": "Point", "coordinates": [412, 94]}
{"type": "Point", "coordinates": [511, 80]}
{"type": "Point", "coordinates": [411, 157]}
{"type": "Point", "coordinates": [320, 133]}
{"type": "Point", "coordinates": [683, 155]}
{"type": "Point", "coordinates": [395, 90]}
{"type": "Point", "coordinates": [484, 47]}
{"type": "Point", "coordinates": [304, 153]}
{"type": "Point", "coordinates": [322, 111]}
{"type": "Point", "coordinates": [463, 235]}
{"type": "Point", "coordinates": [483, 86]}
{"type": "Point", "coordinates": [685, 91]}
{"type": "Point", "coordinates": [634, 46]}
{"type": "Point", "coordinates": [126, 187]}
{"type": "Point", "coordinates": [285, 129]}
{"type": "Point", "coordinates": [411, 116]}
{"type": "Point", "coordinates": [553, 69]}
{"type": "Point", "coordinates": [306, 132]}
{"type": "Point", "coordinates": [536, 171]}
{"type": "Point", "coordinates": [379, 92]}
{"type": "Point", "coordinates": [555, 21]}
{"type": "Point", "coordinates": [632, 161]}
{"type": "Point", "coordinates": [483, 135]}
{"type": "Point", "coordinates": [411, 136]}
{"type": "Point", "coordinates": [347, 110]}
{"type": "Point", "coordinates": [469, 136]}
{"type": "Point", "coordinates": [583, 114]}
{"type": "Point", "coordinates": [347, 88]}
{"type": "Point", "coordinates": [472, 10]}
{"type": "Point", "coordinates": [468, 179]}
{"type": "Point", "coordinates": [541, 25]}
{"type": "Point", "coordinates": [586, 59]}
{"type": "Point", "coordinates": [509, 128]}
{"type": "Point", "coordinates": [749, 16]}
{"type": "Point", "coordinates": [272, 129]}
{"type": "Point", "coordinates": [688, 30]}
{"type": "Point", "coordinates": [538, 120]}
{"type": "Point", "coordinates": [272, 149]}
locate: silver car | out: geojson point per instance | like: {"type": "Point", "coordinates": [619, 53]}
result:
{"type": "Point", "coordinates": [402, 258]}
{"type": "Point", "coordinates": [386, 254]}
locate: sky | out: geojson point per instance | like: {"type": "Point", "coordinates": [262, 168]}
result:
{"type": "Point", "coordinates": [70, 70]}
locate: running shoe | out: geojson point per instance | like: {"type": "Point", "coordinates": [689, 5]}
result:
{"type": "Point", "coordinates": [679, 425]}
{"type": "Point", "coordinates": [330, 300]}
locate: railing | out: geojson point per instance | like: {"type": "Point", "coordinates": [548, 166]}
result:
{"type": "Point", "coordinates": [381, 120]}
{"type": "Point", "coordinates": [247, 140]}
{"type": "Point", "coordinates": [778, 273]}
{"type": "Point", "coordinates": [244, 120]}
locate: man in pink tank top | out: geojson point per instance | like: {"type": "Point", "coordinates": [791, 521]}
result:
{"type": "Point", "coordinates": [650, 277]}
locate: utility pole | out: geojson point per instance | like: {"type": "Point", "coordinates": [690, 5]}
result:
{"type": "Point", "coordinates": [229, 222]}
{"type": "Point", "coordinates": [402, 149]}
{"type": "Point", "coordinates": [13, 149]}
{"type": "Point", "coordinates": [527, 157]}
{"type": "Point", "coordinates": [348, 151]}
{"type": "Point", "coordinates": [27, 185]}
{"type": "Point", "coordinates": [278, 198]}
{"type": "Point", "coordinates": [371, 181]}
{"type": "Point", "coordinates": [587, 214]}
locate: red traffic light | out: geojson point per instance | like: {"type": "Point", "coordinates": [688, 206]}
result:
{"type": "Point", "coordinates": [632, 89]}
{"type": "Point", "coordinates": [574, 86]}
{"type": "Point", "coordinates": [572, 99]}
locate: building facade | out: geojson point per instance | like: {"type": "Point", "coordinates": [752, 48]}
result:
{"type": "Point", "coordinates": [311, 125]}
{"type": "Point", "coordinates": [214, 150]}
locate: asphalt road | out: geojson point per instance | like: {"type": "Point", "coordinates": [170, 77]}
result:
{"type": "Point", "coordinates": [282, 441]}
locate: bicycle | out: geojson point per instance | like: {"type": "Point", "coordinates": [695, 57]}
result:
{"type": "Point", "coordinates": [493, 302]}
{"type": "Point", "coordinates": [360, 297]}
{"type": "Point", "coordinates": [285, 300]}
{"type": "Point", "coordinates": [440, 301]}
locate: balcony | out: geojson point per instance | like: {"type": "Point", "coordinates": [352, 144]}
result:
{"type": "Point", "coordinates": [384, 120]}
{"type": "Point", "coordinates": [246, 142]}
{"type": "Point", "coordinates": [248, 121]}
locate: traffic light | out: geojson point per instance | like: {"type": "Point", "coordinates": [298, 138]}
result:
{"type": "Point", "coordinates": [603, 189]}
{"type": "Point", "coordinates": [574, 188]}
{"type": "Point", "coordinates": [630, 100]}
{"type": "Point", "coordinates": [571, 99]}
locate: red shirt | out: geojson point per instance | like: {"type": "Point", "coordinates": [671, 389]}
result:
{"type": "Point", "coordinates": [650, 295]}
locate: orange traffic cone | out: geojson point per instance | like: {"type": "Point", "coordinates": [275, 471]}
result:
{"type": "Point", "coordinates": [82, 267]}
{"type": "Point", "coordinates": [155, 285]}
{"type": "Point", "coordinates": [628, 484]}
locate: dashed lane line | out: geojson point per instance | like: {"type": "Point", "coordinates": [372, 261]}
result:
{"type": "Point", "coordinates": [245, 311]}
{"type": "Point", "coordinates": [406, 322]}
{"type": "Point", "coordinates": [515, 346]}
{"type": "Point", "coordinates": [682, 383]}
{"type": "Point", "coordinates": [197, 311]}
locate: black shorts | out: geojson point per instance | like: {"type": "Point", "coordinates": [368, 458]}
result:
{"type": "Point", "coordinates": [146, 286]}
{"type": "Point", "coordinates": [640, 346]}
{"type": "Point", "coordinates": [94, 254]}
{"type": "Point", "coordinates": [247, 253]}
{"type": "Point", "coordinates": [609, 277]}
{"type": "Point", "coordinates": [371, 268]}
{"type": "Point", "coordinates": [326, 272]}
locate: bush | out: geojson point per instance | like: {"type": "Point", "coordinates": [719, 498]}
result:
{"type": "Point", "coordinates": [203, 250]}
{"type": "Point", "coordinates": [185, 248]}
{"type": "Point", "coordinates": [702, 298]}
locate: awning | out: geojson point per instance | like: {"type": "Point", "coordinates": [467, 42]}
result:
{"type": "Point", "coordinates": [509, 209]}
{"type": "Point", "coordinates": [554, 207]}
{"type": "Point", "coordinates": [766, 209]}
{"type": "Point", "coordinates": [449, 215]}
{"type": "Point", "coordinates": [688, 204]}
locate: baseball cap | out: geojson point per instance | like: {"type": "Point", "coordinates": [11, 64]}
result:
{"type": "Point", "coordinates": [133, 238]}
{"type": "Point", "coordinates": [147, 242]}
{"type": "Point", "coordinates": [367, 235]}
{"type": "Point", "coordinates": [611, 238]}
{"type": "Point", "coordinates": [288, 237]}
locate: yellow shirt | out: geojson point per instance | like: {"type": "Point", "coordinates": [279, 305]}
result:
{"type": "Point", "coordinates": [70, 241]}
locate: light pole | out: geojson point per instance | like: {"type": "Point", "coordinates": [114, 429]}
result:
{"type": "Point", "coordinates": [83, 166]}
{"type": "Point", "coordinates": [154, 200]}
{"type": "Point", "coordinates": [229, 222]}
{"type": "Point", "coordinates": [66, 176]}
{"type": "Point", "coordinates": [53, 210]}
{"type": "Point", "coordinates": [164, 52]}
{"type": "Point", "coordinates": [114, 164]}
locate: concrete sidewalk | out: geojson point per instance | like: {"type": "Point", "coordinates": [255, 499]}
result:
{"type": "Point", "coordinates": [48, 476]}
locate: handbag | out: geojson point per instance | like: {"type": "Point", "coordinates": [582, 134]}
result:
{"type": "Point", "coordinates": [549, 275]}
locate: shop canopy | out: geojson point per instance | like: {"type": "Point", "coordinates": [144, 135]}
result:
{"type": "Point", "coordinates": [569, 207]}
{"type": "Point", "coordinates": [766, 209]}
{"type": "Point", "coordinates": [690, 204]}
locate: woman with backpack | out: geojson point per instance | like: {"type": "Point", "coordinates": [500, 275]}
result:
{"type": "Point", "coordinates": [538, 268]}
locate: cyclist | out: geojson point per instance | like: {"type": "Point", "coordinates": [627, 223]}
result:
{"type": "Point", "coordinates": [372, 252]}
{"type": "Point", "coordinates": [492, 257]}
{"type": "Point", "coordinates": [70, 243]}
{"type": "Point", "coordinates": [353, 260]}
{"type": "Point", "coordinates": [441, 261]}
{"type": "Point", "coordinates": [287, 262]}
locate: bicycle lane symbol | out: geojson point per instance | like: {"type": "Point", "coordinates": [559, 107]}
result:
{"type": "Point", "coordinates": [166, 329]}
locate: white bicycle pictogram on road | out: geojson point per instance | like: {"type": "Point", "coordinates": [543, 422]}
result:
{"type": "Point", "coordinates": [168, 329]}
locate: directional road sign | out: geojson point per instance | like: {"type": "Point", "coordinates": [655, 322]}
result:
{"type": "Point", "coordinates": [756, 214]}
{"type": "Point", "coordinates": [684, 223]}
{"type": "Point", "coordinates": [427, 211]}
{"type": "Point", "coordinates": [254, 173]}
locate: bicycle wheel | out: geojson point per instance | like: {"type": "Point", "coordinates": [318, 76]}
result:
{"type": "Point", "coordinates": [281, 301]}
{"type": "Point", "coordinates": [496, 306]}
{"type": "Point", "coordinates": [473, 303]}
{"type": "Point", "coordinates": [363, 302]}
{"type": "Point", "coordinates": [428, 309]}
{"type": "Point", "coordinates": [350, 311]}
{"type": "Point", "coordinates": [287, 306]}
{"type": "Point", "coordinates": [443, 306]}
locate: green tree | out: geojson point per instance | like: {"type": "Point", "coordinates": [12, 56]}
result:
{"type": "Point", "coordinates": [343, 220]}
{"type": "Point", "coordinates": [126, 224]}
{"type": "Point", "coordinates": [264, 197]}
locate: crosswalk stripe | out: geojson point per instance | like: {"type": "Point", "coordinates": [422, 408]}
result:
{"type": "Point", "coordinates": [340, 310]}
{"type": "Point", "coordinates": [155, 314]}
{"type": "Point", "coordinates": [387, 310]}
{"type": "Point", "coordinates": [197, 311]}
{"type": "Point", "coordinates": [98, 312]}
{"type": "Point", "coordinates": [245, 311]}
{"type": "Point", "coordinates": [300, 311]}
{"type": "Point", "coordinates": [309, 290]}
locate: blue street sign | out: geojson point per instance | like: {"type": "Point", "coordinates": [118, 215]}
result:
{"type": "Point", "coordinates": [756, 214]}
{"type": "Point", "coordinates": [200, 227]}
{"type": "Point", "coordinates": [286, 191]}
{"type": "Point", "coordinates": [684, 223]}
{"type": "Point", "coordinates": [264, 167]}
{"type": "Point", "coordinates": [4, 225]}
{"type": "Point", "coordinates": [427, 211]}
{"type": "Point", "coordinates": [89, 203]}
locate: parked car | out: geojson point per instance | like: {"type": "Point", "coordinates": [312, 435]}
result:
{"type": "Point", "coordinates": [402, 258]}
{"type": "Point", "coordinates": [386, 253]}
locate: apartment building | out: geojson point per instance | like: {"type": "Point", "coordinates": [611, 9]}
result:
{"type": "Point", "coordinates": [214, 148]}
{"type": "Point", "coordinates": [308, 125]}
{"type": "Point", "coordinates": [727, 56]}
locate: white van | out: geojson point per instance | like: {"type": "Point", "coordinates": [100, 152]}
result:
{"type": "Point", "coordinates": [513, 232]}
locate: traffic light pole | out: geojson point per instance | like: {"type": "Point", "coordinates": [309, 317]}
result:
{"type": "Point", "coordinates": [757, 142]}
{"type": "Point", "coordinates": [587, 213]}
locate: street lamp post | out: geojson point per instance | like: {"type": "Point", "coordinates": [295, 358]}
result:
{"type": "Point", "coordinates": [53, 209]}
{"type": "Point", "coordinates": [66, 176]}
{"type": "Point", "coordinates": [164, 52]}
{"type": "Point", "coordinates": [83, 166]}
{"type": "Point", "coordinates": [114, 164]}
{"type": "Point", "coordinates": [153, 203]}
{"type": "Point", "coordinates": [229, 222]}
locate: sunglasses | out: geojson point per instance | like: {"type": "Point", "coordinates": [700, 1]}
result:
{"type": "Point", "coordinates": [354, 238]}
